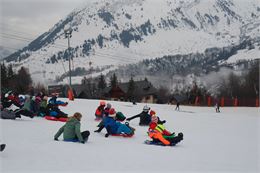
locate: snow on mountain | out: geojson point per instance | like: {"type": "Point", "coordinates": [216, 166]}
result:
{"type": "Point", "coordinates": [213, 142]}
{"type": "Point", "coordinates": [122, 32]}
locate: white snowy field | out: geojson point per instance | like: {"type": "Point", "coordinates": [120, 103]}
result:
{"type": "Point", "coordinates": [213, 142]}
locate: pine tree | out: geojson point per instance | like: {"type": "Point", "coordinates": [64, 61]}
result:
{"type": "Point", "coordinates": [131, 89]}
{"type": "Point", "coordinates": [3, 76]}
{"type": "Point", "coordinates": [113, 81]}
{"type": "Point", "coordinates": [102, 82]}
{"type": "Point", "coordinates": [10, 72]}
{"type": "Point", "coordinates": [23, 80]}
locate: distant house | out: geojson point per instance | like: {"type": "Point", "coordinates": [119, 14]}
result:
{"type": "Point", "coordinates": [56, 89]}
{"type": "Point", "coordinates": [83, 91]}
{"type": "Point", "coordinates": [144, 92]}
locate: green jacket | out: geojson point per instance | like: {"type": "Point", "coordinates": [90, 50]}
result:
{"type": "Point", "coordinates": [43, 103]}
{"type": "Point", "coordinates": [71, 130]}
{"type": "Point", "coordinates": [27, 104]}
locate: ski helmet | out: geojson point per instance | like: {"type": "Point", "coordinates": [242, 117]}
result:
{"type": "Point", "coordinates": [109, 105]}
{"type": "Point", "coordinates": [146, 108]}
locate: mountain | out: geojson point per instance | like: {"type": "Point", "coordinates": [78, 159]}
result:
{"type": "Point", "coordinates": [4, 52]}
{"type": "Point", "coordinates": [107, 34]}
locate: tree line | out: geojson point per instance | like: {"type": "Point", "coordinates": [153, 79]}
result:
{"type": "Point", "coordinates": [20, 81]}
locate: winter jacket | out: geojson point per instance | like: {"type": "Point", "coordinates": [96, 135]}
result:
{"type": "Point", "coordinates": [27, 104]}
{"type": "Point", "coordinates": [100, 111]}
{"type": "Point", "coordinates": [145, 118]}
{"type": "Point", "coordinates": [43, 104]}
{"type": "Point", "coordinates": [159, 133]}
{"type": "Point", "coordinates": [71, 130]}
{"type": "Point", "coordinates": [111, 125]}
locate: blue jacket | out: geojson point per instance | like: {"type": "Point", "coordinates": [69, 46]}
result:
{"type": "Point", "coordinates": [110, 123]}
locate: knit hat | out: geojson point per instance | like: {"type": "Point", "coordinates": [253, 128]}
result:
{"type": "Point", "coordinates": [102, 103]}
{"type": "Point", "coordinates": [152, 112]}
{"type": "Point", "coordinates": [112, 112]}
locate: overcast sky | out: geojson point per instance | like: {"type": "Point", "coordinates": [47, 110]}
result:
{"type": "Point", "coordinates": [30, 18]}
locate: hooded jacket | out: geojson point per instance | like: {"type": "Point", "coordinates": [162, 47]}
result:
{"type": "Point", "coordinates": [71, 130]}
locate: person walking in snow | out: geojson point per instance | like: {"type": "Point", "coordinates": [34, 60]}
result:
{"type": "Point", "coordinates": [217, 107]}
{"type": "Point", "coordinates": [177, 106]}
{"type": "Point", "coordinates": [144, 116]}
{"type": "Point", "coordinates": [71, 130]}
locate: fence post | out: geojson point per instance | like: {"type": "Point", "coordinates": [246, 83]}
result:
{"type": "Point", "coordinates": [70, 94]}
{"type": "Point", "coordinates": [236, 102]}
{"type": "Point", "coordinates": [209, 101]}
{"type": "Point", "coordinates": [222, 102]}
{"type": "Point", "coordinates": [257, 102]}
{"type": "Point", "coordinates": [196, 100]}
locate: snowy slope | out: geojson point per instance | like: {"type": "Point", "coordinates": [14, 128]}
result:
{"type": "Point", "coordinates": [224, 142]}
{"type": "Point", "coordinates": [122, 32]}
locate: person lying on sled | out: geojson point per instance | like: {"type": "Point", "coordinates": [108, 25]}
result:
{"type": "Point", "coordinates": [158, 133]}
{"type": "Point", "coordinates": [53, 107]}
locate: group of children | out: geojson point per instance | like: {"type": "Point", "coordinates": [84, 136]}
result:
{"type": "Point", "coordinates": [14, 105]}
{"type": "Point", "coordinates": [109, 118]}
{"type": "Point", "coordinates": [112, 122]}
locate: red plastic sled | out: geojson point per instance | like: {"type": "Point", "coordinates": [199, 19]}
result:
{"type": "Point", "coordinates": [123, 135]}
{"type": "Point", "coordinates": [56, 119]}
{"type": "Point", "coordinates": [98, 119]}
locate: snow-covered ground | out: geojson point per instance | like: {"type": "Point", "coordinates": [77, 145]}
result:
{"type": "Point", "coordinates": [213, 142]}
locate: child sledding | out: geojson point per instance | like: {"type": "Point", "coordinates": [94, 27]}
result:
{"type": "Point", "coordinates": [159, 135]}
{"type": "Point", "coordinates": [53, 112]}
{"type": "Point", "coordinates": [144, 116]}
{"type": "Point", "coordinates": [71, 130]}
{"type": "Point", "coordinates": [119, 117]}
{"type": "Point", "coordinates": [116, 128]}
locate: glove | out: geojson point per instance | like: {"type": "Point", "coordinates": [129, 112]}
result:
{"type": "Point", "coordinates": [106, 135]}
{"type": "Point", "coordinates": [164, 121]}
{"type": "Point", "coordinates": [127, 123]}
{"type": "Point", "coordinates": [127, 119]}
{"type": "Point", "coordinates": [97, 131]}
{"type": "Point", "coordinates": [56, 139]}
{"type": "Point", "coordinates": [83, 142]}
